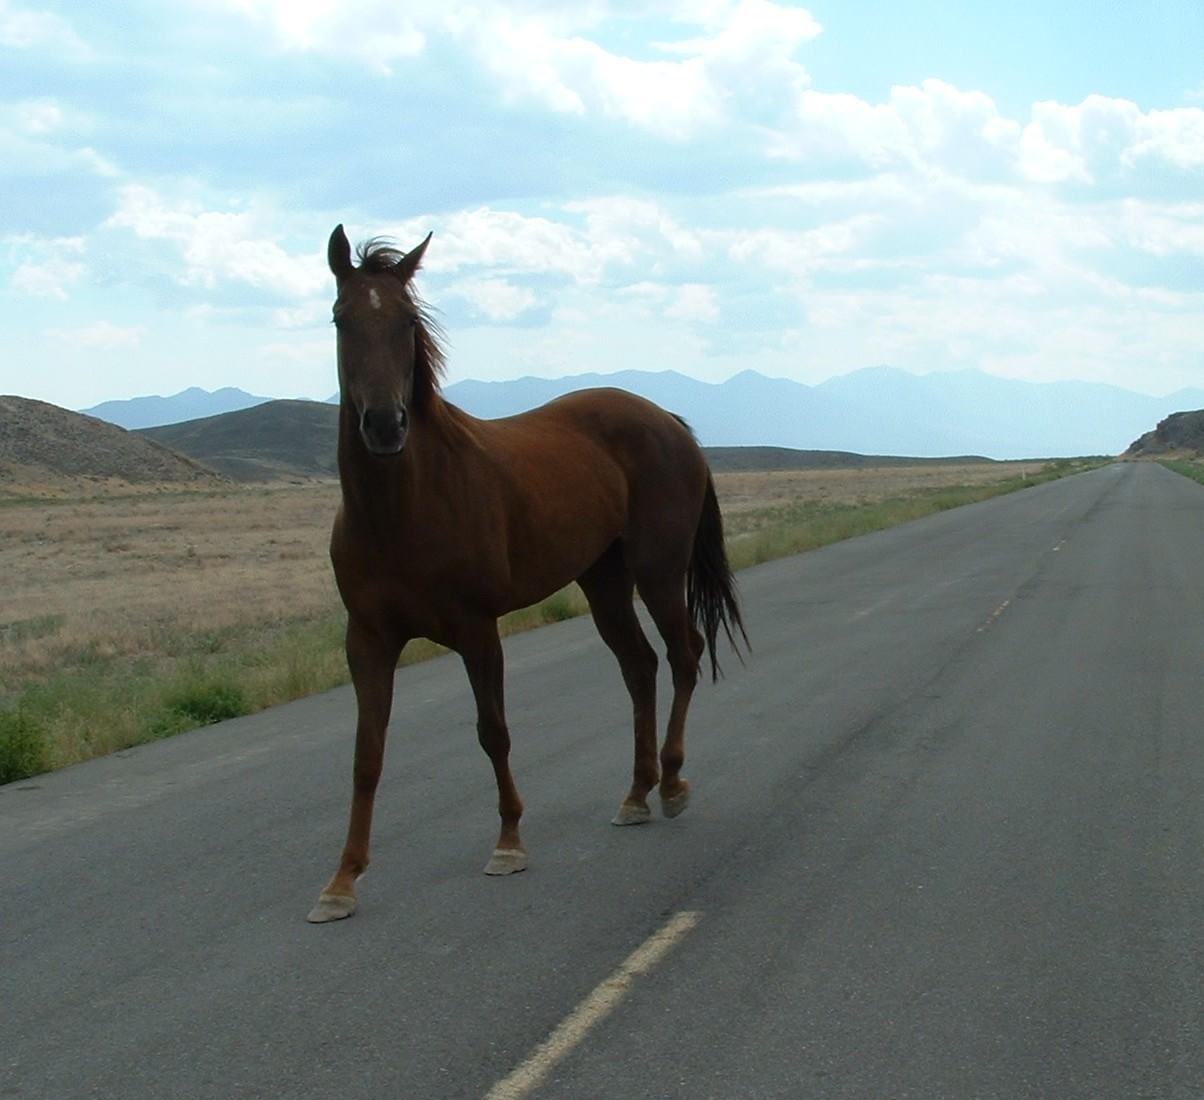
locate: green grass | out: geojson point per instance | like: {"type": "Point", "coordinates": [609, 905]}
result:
{"type": "Point", "coordinates": [100, 705]}
{"type": "Point", "coordinates": [1186, 467]}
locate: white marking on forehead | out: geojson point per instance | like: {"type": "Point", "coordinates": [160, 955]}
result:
{"type": "Point", "coordinates": [373, 298]}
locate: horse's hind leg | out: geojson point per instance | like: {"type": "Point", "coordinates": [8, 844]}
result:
{"type": "Point", "coordinates": [666, 604]}
{"type": "Point", "coordinates": [608, 586]}
{"type": "Point", "coordinates": [481, 650]}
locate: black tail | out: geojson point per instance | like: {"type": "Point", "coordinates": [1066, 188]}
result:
{"type": "Point", "coordinates": [710, 587]}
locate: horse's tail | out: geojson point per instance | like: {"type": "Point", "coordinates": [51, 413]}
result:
{"type": "Point", "coordinates": [710, 587]}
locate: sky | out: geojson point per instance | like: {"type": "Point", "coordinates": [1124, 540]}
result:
{"type": "Point", "coordinates": [706, 186]}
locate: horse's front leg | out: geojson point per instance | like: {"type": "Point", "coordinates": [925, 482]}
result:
{"type": "Point", "coordinates": [481, 650]}
{"type": "Point", "coordinates": [372, 659]}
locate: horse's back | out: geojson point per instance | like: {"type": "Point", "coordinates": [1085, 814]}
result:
{"type": "Point", "coordinates": [604, 423]}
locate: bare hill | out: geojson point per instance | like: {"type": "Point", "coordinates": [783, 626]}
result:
{"type": "Point", "coordinates": [1181, 431]}
{"type": "Point", "coordinates": [274, 441]}
{"type": "Point", "coordinates": [47, 448]}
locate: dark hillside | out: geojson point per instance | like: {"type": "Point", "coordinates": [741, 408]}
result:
{"type": "Point", "coordinates": [1181, 431]}
{"type": "Point", "coordinates": [269, 442]}
{"type": "Point", "coordinates": [739, 459]}
{"type": "Point", "coordinates": [298, 439]}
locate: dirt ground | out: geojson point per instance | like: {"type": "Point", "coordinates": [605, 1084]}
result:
{"type": "Point", "coordinates": [128, 574]}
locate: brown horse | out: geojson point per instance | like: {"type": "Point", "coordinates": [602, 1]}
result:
{"type": "Point", "coordinates": [448, 522]}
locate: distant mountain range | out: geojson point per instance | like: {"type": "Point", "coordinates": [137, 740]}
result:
{"type": "Point", "coordinates": [879, 410]}
{"type": "Point", "coordinates": [189, 404]}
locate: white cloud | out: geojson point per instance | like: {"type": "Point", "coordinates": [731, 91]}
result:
{"type": "Point", "coordinates": [741, 66]}
{"type": "Point", "coordinates": [29, 29]}
{"type": "Point", "coordinates": [694, 303]}
{"type": "Point", "coordinates": [47, 280]}
{"type": "Point", "coordinates": [101, 336]}
{"type": "Point", "coordinates": [631, 226]}
{"type": "Point", "coordinates": [1175, 136]}
{"type": "Point", "coordinates": [800, 252]}
{"type": "Point", "coordinates": [511, 243]}
{"type": "Point", "coordinates": [46, 268]}
{"type": "Point", "coordinates": [379, 33]}
{"type": "Point", "coordinates": [217, 245]}
{"type": "Point", "coordinates": [496, 299]}
{"type": "Point", "coordinates": [574, 75]}
{"type": "Point", "coordinates": [1160, 229]}
{"type": "Point", "coordinates": [34, 116]}
{"type": "Point", "coordinates": [933, 127]}
{"type": "Point", "coordinates": [1101, 137]}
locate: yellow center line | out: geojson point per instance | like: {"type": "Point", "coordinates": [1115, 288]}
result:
{"type": "Point", "coordinates": [599, 1004]}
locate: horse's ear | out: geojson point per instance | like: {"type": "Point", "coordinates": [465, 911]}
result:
{"type": "Point", "coordinates": [407, 267]}
{"type": "Point", "coordinates": [338, 253]}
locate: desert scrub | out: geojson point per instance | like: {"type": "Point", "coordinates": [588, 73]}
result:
{"type": "Point", "coordinates": [760, 536]}
{"type": "Point", "coordinates": [75, 686]}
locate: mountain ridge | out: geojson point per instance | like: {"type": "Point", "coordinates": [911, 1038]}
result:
{"type": "Point", "coordinates": [875, 410]}
{"type": "Point", "coordinates": [189, 404]}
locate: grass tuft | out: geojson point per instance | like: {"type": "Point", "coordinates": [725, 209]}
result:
{"type": "Point", "coordinates": [204, 699]}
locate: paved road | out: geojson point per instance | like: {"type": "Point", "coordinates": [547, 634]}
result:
{"type": "Point", "coordinates": [946, 842]}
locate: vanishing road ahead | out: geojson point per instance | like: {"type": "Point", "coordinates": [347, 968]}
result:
{"type": "Point", "coordinates": [947, 841]}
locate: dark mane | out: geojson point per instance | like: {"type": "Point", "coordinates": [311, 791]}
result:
{"type": "Point", "coordinates": [380, 256]}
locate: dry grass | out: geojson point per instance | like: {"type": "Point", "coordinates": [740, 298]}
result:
{"type": "Point", "coordinates": [130, 617]}
{"type": "Point", "coordinates": [753, 501]}
{"type": "Point", "coordinates": [131, 575]}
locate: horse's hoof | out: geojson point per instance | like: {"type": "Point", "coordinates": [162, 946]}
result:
{"type": "Point", "coordinates": [506, 861]}
{"type": "Point", "coordinates": [675, 804]}
{"type": "Point", "coordinates": [631, 813]}
{"type": "Point", "coordinates": [331, 907]}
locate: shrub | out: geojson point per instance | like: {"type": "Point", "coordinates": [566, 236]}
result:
{"type": "Point", "coordinates": [200, 703]}
{"type": "Point", "coordinates": [24, 746]}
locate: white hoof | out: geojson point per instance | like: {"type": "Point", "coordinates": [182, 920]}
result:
{"type": "Point", "coordinates": [331, 907]}
{"type": "Point", "coordinates": [506, 861]}
{"type": "Point", "coordinates": [631, 814]}
{"type": "Point", "coordinates": [671, 807]}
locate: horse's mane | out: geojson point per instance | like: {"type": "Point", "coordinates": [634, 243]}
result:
{"type": "Point", "coordinates": [380, 256]}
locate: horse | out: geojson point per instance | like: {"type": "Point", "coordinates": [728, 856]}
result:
{"type": "Point", "coordinates": [448, 522]}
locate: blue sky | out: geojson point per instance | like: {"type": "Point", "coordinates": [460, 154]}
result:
{"type": "Point", "coordinates": [702, 185]}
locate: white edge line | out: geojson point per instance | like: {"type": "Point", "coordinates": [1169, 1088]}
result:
{"type": "Point", "coordinates": [599, 1004]}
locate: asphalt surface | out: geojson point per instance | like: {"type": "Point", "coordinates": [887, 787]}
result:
{"type": "Point", "coordinates": [947, 840]}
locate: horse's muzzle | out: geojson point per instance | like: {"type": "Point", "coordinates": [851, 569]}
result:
{"type": "Point", "coordinates": [384, 431]}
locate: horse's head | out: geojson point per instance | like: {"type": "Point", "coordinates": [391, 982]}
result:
{"type": "Point", "coordinates": [387, 357]}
